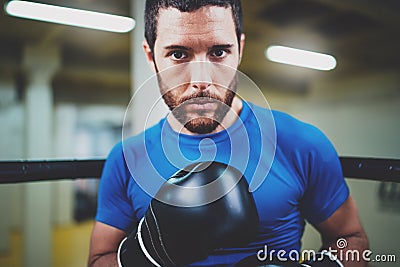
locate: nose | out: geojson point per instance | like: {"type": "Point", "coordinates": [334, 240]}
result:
{"type": "Point", "coordinates": [200, 75]}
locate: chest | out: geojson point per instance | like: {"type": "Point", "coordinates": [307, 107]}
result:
{"type": "Point", "coordinates": [277, 195]}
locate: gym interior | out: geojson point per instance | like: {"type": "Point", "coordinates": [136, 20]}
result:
{"type": "Point", "coordinates": [64, 91]}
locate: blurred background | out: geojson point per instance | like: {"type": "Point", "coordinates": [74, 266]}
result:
{"type": "Point", "coordinates": [64, 91]}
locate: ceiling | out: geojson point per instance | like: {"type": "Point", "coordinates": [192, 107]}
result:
{"type": "Point", "coordinates": [95, 65]}
{"type": "Point", "coordinates": [362, 35]}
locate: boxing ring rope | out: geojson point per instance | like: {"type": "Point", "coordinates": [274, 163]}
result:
{"type": "Point", "coordinates": [49, 170]}
{"type": "Point", "coordinates": [22, 171]}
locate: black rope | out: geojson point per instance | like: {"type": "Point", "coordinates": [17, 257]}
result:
{"type": "Point", "coordinates": [22, 171]}
{"type": "Point", "coordinates": [32, 171]}
{"type": "Point", "coordinates": [371, 168]}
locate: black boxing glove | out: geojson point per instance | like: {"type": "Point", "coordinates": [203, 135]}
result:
{"type": "Point", "coordinates": [323, 259]}
{"type": "Point", "coordinates": [130, 252]}
{"type": "Point", "coordinates": [204, 207]}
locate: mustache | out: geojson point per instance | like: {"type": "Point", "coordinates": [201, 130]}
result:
{"type": "Point", "coordinates": [201, 94]}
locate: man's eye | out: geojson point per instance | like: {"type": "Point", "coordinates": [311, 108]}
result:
{"type": "Point", "coordinates": [177, 55]}
{"type": "Point", "coordinates": [219, 53]}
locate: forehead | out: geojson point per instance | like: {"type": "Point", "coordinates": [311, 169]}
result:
{"type": "Point", "coordinates": [206, 22]}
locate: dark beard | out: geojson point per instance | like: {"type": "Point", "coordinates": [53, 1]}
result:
{"type": "Point", "coordinates": [202, 124]}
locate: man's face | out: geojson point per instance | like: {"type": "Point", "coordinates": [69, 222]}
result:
{"type": "Point", "coordinates": [196, 55]}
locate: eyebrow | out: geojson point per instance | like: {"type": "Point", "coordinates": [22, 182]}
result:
{"type": "Point", "coordinates": [181, 47]}
{"type": "Point", "coordinates": [224, 46]}
{"type": "Point", "coordinates": [176, 47]}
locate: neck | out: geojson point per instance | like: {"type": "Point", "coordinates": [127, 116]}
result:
{"type": "Point", "coordinates": [229, 119]}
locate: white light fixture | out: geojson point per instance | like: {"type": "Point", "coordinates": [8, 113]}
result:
{"type": "Point", "coordinates": [301, 58]}
{"type": "Point", "coordinates": [70, 16]}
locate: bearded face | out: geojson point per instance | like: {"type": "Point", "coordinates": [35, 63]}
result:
{"type": "Point", "coordinates": [197, 53]}
{"type": "Point", "coordinates": [201, 112]}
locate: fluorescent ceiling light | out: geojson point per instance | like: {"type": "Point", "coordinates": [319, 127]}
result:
{"type": "Point", "coordinates": [70, 16]}
{"type": "Point", "coordinates": [301, 58]}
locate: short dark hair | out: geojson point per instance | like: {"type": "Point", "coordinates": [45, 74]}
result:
{"type": "Point", "coordinates": [153, 7]}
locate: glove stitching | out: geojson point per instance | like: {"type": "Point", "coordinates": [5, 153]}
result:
{"type": "Point", "coordinates": [159, 235]}
{"type": "Point", "coordinates": [152, 242]}
{"type": "Point", "coordinates": [143, 247]}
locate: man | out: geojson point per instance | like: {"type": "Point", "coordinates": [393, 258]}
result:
{"type": "Point", "coordinates": [192, 40]}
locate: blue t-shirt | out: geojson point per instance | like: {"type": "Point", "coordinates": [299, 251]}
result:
{"type": "Point", "coordinates": [291, 166]}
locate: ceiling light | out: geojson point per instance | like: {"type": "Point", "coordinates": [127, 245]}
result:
{"type": "Point", "coordinates": [70, 16]}
{"type": "Point", "coordinates": [301, 58]}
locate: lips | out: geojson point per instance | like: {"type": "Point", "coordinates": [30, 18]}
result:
{"type": "Point", "coordinates": [202, 104]}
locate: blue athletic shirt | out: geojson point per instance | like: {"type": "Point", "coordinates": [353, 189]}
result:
{"type": "Point", "coordinates": [302, 180]}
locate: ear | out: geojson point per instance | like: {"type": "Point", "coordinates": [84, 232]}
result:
{"type": "Point", "coordinates": [149, 55]}
{"type": "Point", "coordinates": [242, 42]}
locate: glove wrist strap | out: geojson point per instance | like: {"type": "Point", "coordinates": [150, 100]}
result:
{"type": "Point", "coordinates": [142, 246]}
{"type": "Point", "coordinates": [123, 255]}
{"type": "Point", "coordinates": [119, 251]}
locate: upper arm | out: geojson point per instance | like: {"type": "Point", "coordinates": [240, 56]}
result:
{"type": "Point", "coordinates": [326, 191]}
{"type": "Point", "coordinates": [104, 240]}
{"type": "Point", "coordinates": [344, 222]}
{"type": "Point", "coordinates": [114, 205]}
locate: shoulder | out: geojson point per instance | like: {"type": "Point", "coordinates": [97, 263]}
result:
{"type": "Point", "coordinates": [289, 129]}
{"type": "Point", "coordinates": [299, 134]}
{"type": "Point", "coordinates": [116, 155]}
{"type": "Point", "coordinates": [130, 148]}
{"type": "Point", "coordinates": [289, 125]}
{"type": "Point", "coordinates": [145, 138]}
